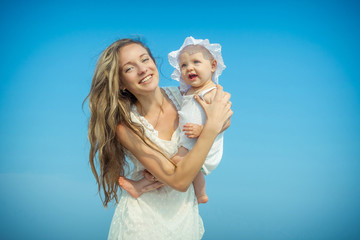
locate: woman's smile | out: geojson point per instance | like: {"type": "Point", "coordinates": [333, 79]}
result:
{"type": "Point", "coordinates": [139, 72]}
{"type": "Point", "coordinates": [146, 79]}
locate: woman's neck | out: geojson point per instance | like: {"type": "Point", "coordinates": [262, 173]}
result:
{"type": "Point", "coordinates": [150, 103]}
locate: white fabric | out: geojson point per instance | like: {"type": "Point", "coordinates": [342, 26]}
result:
{"type": "Point", "coordinates": [192, 112]}
{"type": "Point", "coordinates": [161, 214]}
{"type": "Point", "coordinates": [214, 49]}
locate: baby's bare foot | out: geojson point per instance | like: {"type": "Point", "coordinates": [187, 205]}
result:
{"type": "Point", "coordinates": [203, 199]}
{"type": "Point", "coordinates": [130, 187]}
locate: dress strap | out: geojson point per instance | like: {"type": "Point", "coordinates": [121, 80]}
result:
{"type": "Point", "coordinates": [202, 94]}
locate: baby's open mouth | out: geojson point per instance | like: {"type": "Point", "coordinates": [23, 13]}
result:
{"type": "Point", "coordinates": [192, 76]}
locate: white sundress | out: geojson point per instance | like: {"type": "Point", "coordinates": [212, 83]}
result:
{"type": "Point", "coordinates": [161, 214]}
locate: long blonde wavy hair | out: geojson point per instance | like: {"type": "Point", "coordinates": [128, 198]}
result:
{"type": "Point", "coordinates": [110, 106]}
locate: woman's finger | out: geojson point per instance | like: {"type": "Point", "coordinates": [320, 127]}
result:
{"type": "Point", "coordinates": [229, 114]}
{"type": "Point", "coordinates": [229, 104]}
{"type": "Point", "coordinates": [152, 186]}
{"type": "Point", "coordinates": [149, 176]}
{"type": "Point", "coordinates": [226, 96]}
{"type": "Point", "coordinates": [227, 124]}
{"type": "Point", "coordinates": [219, 93]}
{"type": "Point", "coordinates": [219, 110]}
{"type": "Point", "coordinates": [200, 101]}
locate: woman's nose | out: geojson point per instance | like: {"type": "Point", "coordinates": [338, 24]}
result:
{"type": "Point", "coordinates": [142, 69]}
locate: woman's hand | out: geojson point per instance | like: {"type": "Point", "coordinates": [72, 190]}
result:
{"type": "Point", "coordinates": [218, 112]}
{"type": "Point", "coordinates": [149, 176]}
{"type": "Point", "coordinates": [226, 125]}
{"type": "Point", "coordinates": [155, 185]}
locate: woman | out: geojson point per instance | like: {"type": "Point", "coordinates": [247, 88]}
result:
{"type": "Point", "coordinates": [131, 115]}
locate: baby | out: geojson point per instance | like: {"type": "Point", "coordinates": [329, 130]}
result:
{"type": "Point", "coordinates": [198, 65]}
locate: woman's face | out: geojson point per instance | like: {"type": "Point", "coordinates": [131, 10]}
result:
{"type": "Point", "coordinates": [138, 71]}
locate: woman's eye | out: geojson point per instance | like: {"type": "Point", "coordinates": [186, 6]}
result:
{"type": "Point", "coordinates": [128, 69]}
{"type": "Point", "coordinates": [145, 59]}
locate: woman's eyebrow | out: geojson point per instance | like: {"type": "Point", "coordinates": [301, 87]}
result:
{"type": "Point", "coordinates": [130, 61]}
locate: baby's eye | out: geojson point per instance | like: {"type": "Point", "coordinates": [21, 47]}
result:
{"type": "Point", "coordinates": [196, 61]}
{"type": "Point", "coordinates": [183, 65]}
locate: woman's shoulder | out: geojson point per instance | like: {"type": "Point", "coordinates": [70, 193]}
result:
{"type": "Point", "coordinates": [172, 89]}
{"type": "Point", "coordinates": [122, 131]}
{"type": "Point", "coordinates": [174, 94]}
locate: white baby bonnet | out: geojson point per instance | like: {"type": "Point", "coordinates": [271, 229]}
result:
{"type": "Point", "coordinates": [214, 49]}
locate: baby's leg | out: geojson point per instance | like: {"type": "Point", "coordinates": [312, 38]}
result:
{"type": "Point", "coordinates": [199, 181]}
{"type": "Point", "coordinates": [134, 188]}
{"type": "Point", "coordinates": [199, 187]}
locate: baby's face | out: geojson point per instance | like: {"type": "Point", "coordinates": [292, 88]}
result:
{"type": "Point", "coordinates": [195, 69]}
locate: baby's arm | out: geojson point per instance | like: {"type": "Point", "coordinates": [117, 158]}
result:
{"type": "Point", "coordinates": [193, 130]}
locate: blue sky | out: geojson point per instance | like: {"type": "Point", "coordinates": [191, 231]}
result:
{"type": "Point", "coordinates": [291, 160]}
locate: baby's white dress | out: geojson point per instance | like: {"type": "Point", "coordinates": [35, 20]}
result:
{"type": "Point", "coordinates": [192, 112]}
{"type": "Point", "coordinates": [161, 214]}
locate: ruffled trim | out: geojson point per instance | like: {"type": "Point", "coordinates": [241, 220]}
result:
{"type": "Point", "coordinates": [214, 49]}
{"type": "Point", "coordinates": [143, 121]}
{"type": "Point", "coordinates": [174, 95]}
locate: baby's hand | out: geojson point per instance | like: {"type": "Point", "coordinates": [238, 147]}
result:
{"type": "Point", "coordinates": [192, 130]}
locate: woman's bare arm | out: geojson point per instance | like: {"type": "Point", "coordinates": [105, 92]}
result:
{"type": "Point", "coordinates": [181, 176]}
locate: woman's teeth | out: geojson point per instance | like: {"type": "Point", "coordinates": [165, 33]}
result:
{"type": "Point", "coordinates": [145, 79]}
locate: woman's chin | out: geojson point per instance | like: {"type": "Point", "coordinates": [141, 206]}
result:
{"type": "Point", "coordinates": [151, 86]}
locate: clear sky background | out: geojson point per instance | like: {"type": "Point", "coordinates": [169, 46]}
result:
{"type": "Point", "coordinates": [291, 160]}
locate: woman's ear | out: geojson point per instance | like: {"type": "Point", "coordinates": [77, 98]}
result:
{"type": "Point", "coordinates": [213, 65]}
{"type": "Point", "coordinates": [121, 86]}
{"type": "Point", "coordinates": [122, 89]}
